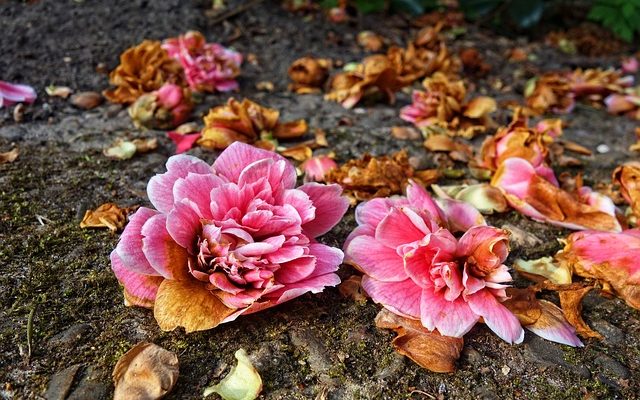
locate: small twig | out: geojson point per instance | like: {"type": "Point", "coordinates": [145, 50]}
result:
{"type": "Point", "coordinates": [422, 393]}
{"type": "Point", "coordinates": [42, 219]}
{"type": "Point", "coordinates": [235, 11]}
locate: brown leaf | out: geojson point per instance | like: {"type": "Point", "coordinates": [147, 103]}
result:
{"type": "Point", "coordinates": [308, 74]}
{"type": "Point", "coordinates": [108, 215]}
{"type": "Point", "coordinates": [146, 372]}
{"type": "Point", "coordinates": [290, 130]}
{"type": "Point", "coordinates": [428, 349]}
{"type": "Point", "coordinates": [87, 100]}
{"type": "Point", "coordinates": [571, 303]}
{"type": "Point", "coordinates": [405, 133]}
{"type": "Point", "coordinates": [370, 41]}
{"type": "Point", "coordinates": [299, 153]}
{"type": "Point", "coordinates": [145, 145]}
{"type": "Point", "coordinates": [351, 288]}
{"type": "Point", "coordinates": [523, 304]}
{"type": "Point", "coordinates": [628, 177]}
{"type": "Point", "coordinates": [9, 156]}
{"type": "Point", "coordinates": [188, 304]}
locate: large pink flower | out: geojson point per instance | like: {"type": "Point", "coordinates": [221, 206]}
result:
{"type": "Point", "coordinates": [236, 237]}
{"type": "Point", "coordinates": [415, 267]}
{"type": "Point", "coordinates": [208, 67]}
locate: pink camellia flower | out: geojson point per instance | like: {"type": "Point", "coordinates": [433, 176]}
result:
{"type": "Point", "coordinates": [12, 93]}
{"type": "Point", "coordinates": [164, 108]}
{"type": "Point", "coordinates": [315, 168]}
{"type": "Point", "coordinates": [228, 239]}
{"type": "Point", "coordinates": [535, 194]}
{"type": "Point", "coordinates": [208, 67]}
{"type": "Point", "coordinates": [415, 267]}
{"type": "Point", "coordinates": [630, 65]}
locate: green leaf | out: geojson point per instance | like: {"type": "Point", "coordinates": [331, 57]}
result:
{"type": "Point", "coordinates": [370, 6]}
{"type": "Point", "coordinates": [478, 8]}
{"type": "Point", "coordinates": [526, 13]}
{"type": "Point", "coordinates": [415, 7]}
{"type": "Point", "coordinates": [329, 4]}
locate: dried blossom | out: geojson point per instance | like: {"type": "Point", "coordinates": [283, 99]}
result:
{"type": "Point", "coordinates": [143, 69]}
{"type": "Point", "coordinates": [308, 74]}
{"type": "Point", "coordinates": [164, 108]}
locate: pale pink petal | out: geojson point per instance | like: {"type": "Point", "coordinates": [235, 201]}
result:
{"type": "Point", "coordinates": [303, 204]}
{"type": "Point", "coordinates": [286, 253]}
{"type": "Point", "coordinates": [330, 207]}
{"type": "Point", "coordinates": [460, 216]}
{"type": "Point", "coordinates": [141, 288]}
{"type": "Point", "coordinates": [373, 211]}
{"type": "Point", "coordinates": [376, 260]}
{"type": "Point", "coordinates": [471, 283]}
{"type": "Point", "coordinates": [555, 327]}
{"type": "Point", "coordinates": [514, 176]}
{"type": "Point", "coordinates": [296, 270]}
{"type": "Point", "coordinates": [420, 199]}
{"type": "Point", "coordinates": [129, 247]}
{"type": "Point", "coordinates": [238, 156]}
{"type": "Point", "coordinates": [451, 318]}
{"type": "Point", "coordinates": [167, 257]}
{"type": "Point", "coordinates": [195, 190]}
{"type": "Point", "coordinates": [496, 316]}
{"type": "Point", "coordinates": [397, 229]}
{"type": "Point", "coordinates": [183, 224]}
{"type": "Point", "coordinates": [160, 188]}
{"type": "Point", "coordinates": [274, 172]}
{"type": "Point", "coordinates": [328, 258]}
{"type": "Point", "coordinates": [11, 93]}
{"type": "Point", "coordinates": [488, 245]}
{"type": "Point", "coordinates": [402, 298]}
{"type": "Point", "coordinates": [314, 284]}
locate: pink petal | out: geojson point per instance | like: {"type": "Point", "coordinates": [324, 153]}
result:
{"type": "Point", "coordinates": [303, 204]}
{"type": "Point", "coordinates": [129, 247]}
{"type": "Point", "coordinates": [195, 190]}
{"type": "Point", "coordinates": [373, 211]}
{"type": "Point", "coordinates": [514, 176]}
{"type": "Point", "coordinates": [555, 327]}
{"type": "Point", "coordinates": [183, 142]}
{"type": "Point", "coordinates": [160, 188]}
{"type": "Point", "coordinates": [11, 93]}
{"type": "Point", "coordinates": [460, 216]}
{"type": "Point", "coordinates": [420, 199]}
{"type": "Point", "coordinates": [330, 207]}
{"type": "Point", "coordinates": [183, 224]}
{"type": "Point", "coordinates": [285, 254]}
{"type": "Point", "coordinates": [235, 158]}
{"type": "Point", "coordinates": [141, 289]}
{"type": "Point", "coordinates": [165, 256]}
{"type": "Point", "coordinates": [376, 260]}
{"type": "Point", "coordinates": [451, 318]}
{"type": "Point", "coordinates": [328, 258]}
{"type": "Point", "coordinates": [496, 316]}
{"type": "Point", "coordinates": [315, 284]}
{"type": "Point", "coordinates": [169, 95]}
{"type": "Point", "coordinates": [273, 171]}
{"type": "Point", "coordinates": [296, 270]}
{"type": "Point", "coordinates": [402, 298]}
{"type": "Point", "coordinates": [618, 104]}
{"type": "Point", "coordinates": [260, 248]}
{"type": "Point", "coordinates": [397, 228]}
{"type": "Point", "coordinates": [434, 248]}
{"type": "Point", "coordinates": [488, 245]}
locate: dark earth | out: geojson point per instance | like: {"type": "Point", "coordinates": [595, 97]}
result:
{"type": "Point", "coordinates": [315, 347]}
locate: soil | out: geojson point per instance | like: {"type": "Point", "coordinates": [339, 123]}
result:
{"type": "Point", "coordinates": [62, 312]}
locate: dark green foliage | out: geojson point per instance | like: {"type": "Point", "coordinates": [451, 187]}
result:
{"type": "Point", "coordinates": [524, 13]}
{"type": "Point", "coordinates": [622, 17]}
{"type": "Point", "coordinates": [415, 7]}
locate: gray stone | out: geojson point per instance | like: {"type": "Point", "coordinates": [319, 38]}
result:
{"type": "Point", "coordinates": [61, 382]}
{"type": "Point", "coordinates": [549, 354]}
{"type": "Point", "coordinates": [612, 367]}
{"type": "Point", "coordinates": [472, 356]}
{"type": "Point", "coordinates": [612, 334]}
{"type": "Point", "coordinates": [70, 336]}
{"type": "Point", "coordinates": [90, 386]}
{"type": "Point", "coordinates": [318, 354]}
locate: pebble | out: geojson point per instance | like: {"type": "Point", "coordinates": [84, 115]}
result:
{"type": "Point", "coordinates": [70, 336]}
{"type": "Point", "coordinates": [612, 367]}
{"type": "Point", "coordinates": [87, 100]}
{"type": "Point", "coordinates": [549, 354]}
{"type": "Point", "coordinates": [472, 356]}
{"type": "Point", "coordinates": [612, 334]}
{"type": "Point", "coordinates": [61, 382]}
{"type": "Point", "coordinates": [603, 149]}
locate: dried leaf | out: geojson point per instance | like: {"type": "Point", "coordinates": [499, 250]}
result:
{"type": "Point", "coordinates": [405, 133]}
{"type": "Point", "coordinates": [108, 215]}
{"type": "Point", "coordinates": [188, 304]}
{"type": "Point", "coordinates": [542, 269]}
{"type": "Point", "coordinates": [87, 100]}
{"type": "Point", "coordinates": [58, 91]}
{"type": "Point", "coordinates": [146, 372]}
{"type": "Point", "coordinates": [9, 156]}
{"type": "Point", "coordinates": [571, 302]}
{"type": "Point", "coordinates": [242, 383]}
{"type": "Point", "coordinates": [628, 177]}
{"type": "Point", "coordinates": [523, 304]}
{"type": "Point", "coordinates": [121, 150]}
{"type": "Point", "coordinates": [308, 74]}
{"type": "Point", "coordinates": [370, 41]}
{"type": "Point", "coordinates": [428, 349]}
{"type": "Point", "coordinates": [145, 145]}
{"type": "Point", "coordinates": [299, 153]}
{"type": "Point", "coordinates": [352, 289]}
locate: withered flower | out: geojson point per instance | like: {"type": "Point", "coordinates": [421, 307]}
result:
{"type": "Point", "coordinates": [628, 177]}
{"type": "Point", "coordinates": [551, 91]}
{"type": "Point", "coordinates": [308, 74]}
{"type": "Point", "coordinates": [383, 176]}
{"type": "Point", "coordinates": [376, 74]}
{"type": "Point", "coordinates": [143, 69]}
{"type": "Point", "coordinates": [245, 122]}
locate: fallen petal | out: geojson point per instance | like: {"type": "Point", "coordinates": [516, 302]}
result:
{"type": "Point", "coordinates": [242, 383]}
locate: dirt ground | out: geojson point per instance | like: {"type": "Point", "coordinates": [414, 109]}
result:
{"type": "Point", "coordinates": [315, 347]}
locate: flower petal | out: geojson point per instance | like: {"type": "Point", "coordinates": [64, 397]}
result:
{"type": "Point", "coordinates": [195, 190]}
{"type": "Point", "coordinates": [296, 270]}
{"type": "Point", "coordinates": [238, 156]}
{"type": "Point", "coordinates": [140, 290]}
{"type": "Point", "coordinates": [165, 256]}
{"type": "Point", "coordinates": [188, 304]}
{"type": "Point", "coordinates": [129, 247]}
{"type": "Point", "coordinates": [497, 317]}
{"type": "Point", "coordinates": [451, 318]}
{"type": "Point", "coordinates": [330, 207]}
{"type": "Point", "coordinates": [160, 188]}
{"type": "Point", "coordinates": [183, 225]}
{"type": "Point", "coordinates": [398, 228]}
{"type": "Point", "coordinates": [552, 325]}
{"type": "Point", "coordinates": [402, 298]}
{"type": "Point", "coordinates": [376, 260]}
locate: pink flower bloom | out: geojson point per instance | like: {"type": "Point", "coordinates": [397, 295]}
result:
{"type": "Point", "coordinates": [630, 65]}
{"type": "Point", "coordinates": [11, 93]}
{"type": "Point", "coordinates": [423, 111]}
{"type": "Point", "coordinates": [315, 168]}
{"type": "Point", "coordinates": [237, 236]}
{"type": "Point", "coordinates": [164, 108]}
{"type": "Point", "coordinates": [208, 67]}
{"type": "Point", "coordinates": [415, 267]}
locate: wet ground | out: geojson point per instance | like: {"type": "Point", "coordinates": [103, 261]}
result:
{"type": "Point", "coordinates": [322, 346]}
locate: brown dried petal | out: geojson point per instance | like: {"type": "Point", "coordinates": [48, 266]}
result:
{"type": "Point", "coordinates": [571, 303]}
{"type": "Point", "coordinates": [9, 156]}
{"type": "Point", "coordinates": [108, 215]}
{"type": "Point", "coordinates": [146, 372]}
{"type": "Point", "coordinates": [428, 349]}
